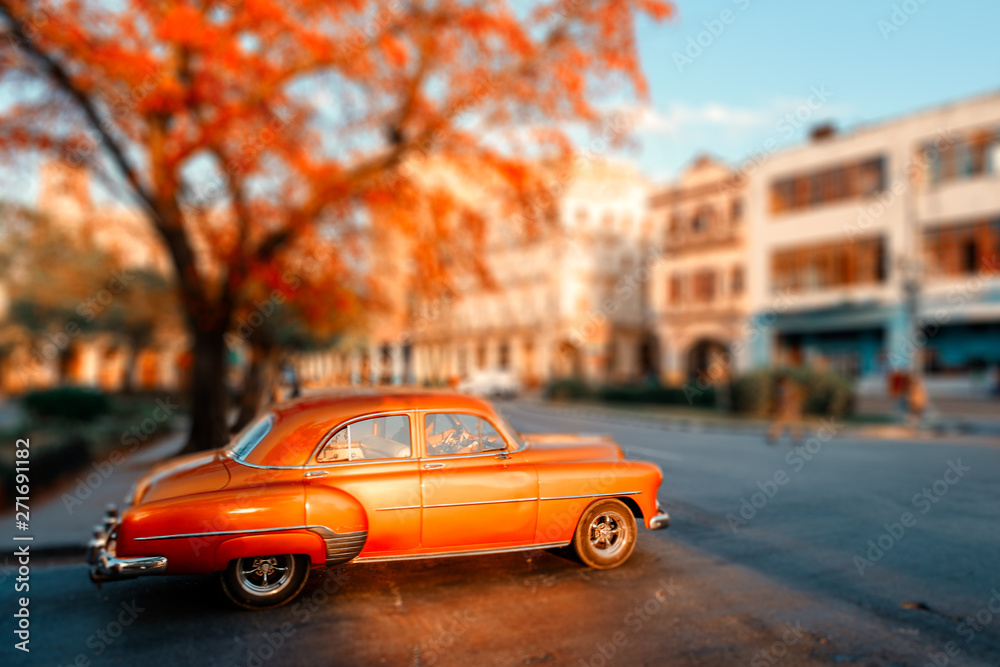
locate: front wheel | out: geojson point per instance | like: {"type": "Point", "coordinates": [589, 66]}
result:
{"type": "Point", "coordinates": [605, 536]}
{"type": "Point", "coordinates": [265, 582]}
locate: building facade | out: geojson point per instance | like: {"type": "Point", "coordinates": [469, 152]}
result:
{"type": "Point", "coordinates": [569, 301]}
{"type": "Point", "coordinates": [877, 250]}
{"type": "Point", "coordinates": [698, 299]}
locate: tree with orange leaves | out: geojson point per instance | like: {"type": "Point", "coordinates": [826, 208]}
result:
{"type": "Point", "coordinates": [236, 125]}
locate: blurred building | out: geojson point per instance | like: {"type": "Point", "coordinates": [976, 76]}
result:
{"type": "Point", "coordinates": [569, 302]}
{"type": "Point", "coordinates": [101, 357]}
{"type": "Point", "coordinates": [566, 295]}
{"type": "Point", "coordinates": [698, 296]}
{"type": "Point", "coordinates": [853, 237]}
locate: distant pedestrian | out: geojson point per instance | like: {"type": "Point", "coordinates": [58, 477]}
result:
{"type": "Point", "coordinates": [787, 410]}
{"type": "Point", "coordinates": [916, 402]}
{"type": "Point", "coordinates": [291, 380]}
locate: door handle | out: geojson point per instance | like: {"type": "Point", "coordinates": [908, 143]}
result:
{"type": "Point", "coordinates": [317, 473]}
{"type": "Point", "coordinates": [431, 466]}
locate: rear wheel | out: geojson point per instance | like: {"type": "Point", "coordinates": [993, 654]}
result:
{"type": "Point", "coordinates": [265, 582]}
{"type": "Point", "coordinates": [605, 536]}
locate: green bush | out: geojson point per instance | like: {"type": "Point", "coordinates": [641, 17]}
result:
{"type": "Point", "coordinates": [76, 403]}
{"type": "Point", "coordinates": [827, 393]}
{"type": "Point", "coordinates": [567, 389]}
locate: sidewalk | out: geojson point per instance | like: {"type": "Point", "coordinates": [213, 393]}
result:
{"type": "Point", "coordinates": [62, 518]}
{"type": "Point", "coordinates": [684, 419]}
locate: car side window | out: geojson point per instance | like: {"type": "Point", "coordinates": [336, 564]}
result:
{"type": "Point", "coordinates": [369, 439]}
{"type": "Point", "coordinates": [457, 433]}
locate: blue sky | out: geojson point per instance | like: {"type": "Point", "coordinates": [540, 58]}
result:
{"type": "Point", "coordinates": [762, 64]}
{"type": "Point", "coordinates": [765, 59]}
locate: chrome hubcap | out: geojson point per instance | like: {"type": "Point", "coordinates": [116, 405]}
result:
{"type": "Point", "coordinates": [264, 575]}
{"type": "Point", "coordinates": [608, 533]}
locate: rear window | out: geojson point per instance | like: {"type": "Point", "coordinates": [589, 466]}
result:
{"type": "Point", "coordinates": [250, 437]}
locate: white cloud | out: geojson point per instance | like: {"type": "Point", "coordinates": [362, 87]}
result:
{"type": "Point", "coordinates": [678, 118]}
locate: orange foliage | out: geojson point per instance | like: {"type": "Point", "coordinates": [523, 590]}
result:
{"type": "Point", "coordinates": [240, 127]}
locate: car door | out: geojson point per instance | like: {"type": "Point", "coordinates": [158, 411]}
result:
{"type": "Point", "coordinates": [372, 459]}
{"type": "Point", "coordinates": [477, 491]}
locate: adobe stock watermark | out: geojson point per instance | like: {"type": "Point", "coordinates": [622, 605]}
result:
{"type": "Point", "coordinates": [923, 502]}
{"type": "Point", "coordinates": [771, 655]}
{"type": "Point", "coordinates": [913, 169]}
{"type": "Point", "coordinates": [900, 16]}
{"type": "Point", "coordinates": [376, 26]}
{"type": "Point", "coordinates": [55, 343]}
{"type": "Point", "coordinates": [958, 296]}
{"type": "Point", "coordinates": [704, 39]}
{"type": "Point", "coordinates": [770, 487]}
{"type": "Point", "coordinates": [634, 621]}
{"type": "Point", "coordinates": [103, 638]}
{"type": "Point", "coordinates": [784, 130]}
{"type": "Point", "coordinates": [130, 440]}
{"type": "Point", "coordinates": [248, 150]}
{"type": "Point", "coordinates": [753, 329]}
{"type": "Point", "coordinates": [968, 628]}
{"type": "Point", "coordinates": [436, 643]}
{"type": "Point", "coordinates": [624, 290]}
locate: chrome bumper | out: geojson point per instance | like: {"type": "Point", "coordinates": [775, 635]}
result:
{"type": "Point", "coordinates": [661, 520]}
{"type": "Point", "coordinates": [106, 566]}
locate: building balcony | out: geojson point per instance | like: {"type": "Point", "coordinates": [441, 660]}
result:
{"type": "Point", "coordinates": [960, 200]}
{"type": "Point", "coordinates": [707, 240]}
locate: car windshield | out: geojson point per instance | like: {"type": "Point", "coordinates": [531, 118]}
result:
{"type": "Point", "coordinates": [511, 431]}
{"type": "Point", "coordinates": [248, 438]}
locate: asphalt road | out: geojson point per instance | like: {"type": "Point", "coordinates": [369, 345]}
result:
{"type": "Point", "coordinates": [779, 584]}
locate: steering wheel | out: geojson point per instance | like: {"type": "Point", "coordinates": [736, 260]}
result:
{"type": "Point", "coordinates": [454, 441]}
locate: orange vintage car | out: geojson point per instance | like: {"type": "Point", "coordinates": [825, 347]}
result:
{"type": "Point", "coordinates": [372, 477]}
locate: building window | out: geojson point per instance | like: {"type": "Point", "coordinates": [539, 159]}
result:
{"type": "Point", "coordinates": [704, 286]}
{"type": "Point", "coordinates": [701, 222]}
{"type": "Point", "coordinates": [674, 228]}
{"type": "Point", "coordinates": [832, 265]}
{"type": "Point", "coordinates": [736, 210]}
{"type": "Point", "coordinates": [676, 289]}
{"type": "Point", "coordinates": [504, 355]}
{"type": "Point", "coordinates": [826, 186]}
{"type": "Point", "coordinates": [737, 280]}
{"type": "Point", "coordinates": [958, 250]}
{"type": "Point", "coordinates": [974, 155]}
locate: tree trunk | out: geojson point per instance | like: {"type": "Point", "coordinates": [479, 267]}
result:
{"type": "Point", "coordinates": [260, 378]}
{"type": "Point", "coordinates": [207, 391]}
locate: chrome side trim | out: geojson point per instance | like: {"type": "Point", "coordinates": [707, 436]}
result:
{"type": "Point", "coordinates": [610, 494]}
{"type": "Point", "coordinates": [261, 467]}
{"type": "Point", "coordinates": [341, 547]}
{"type": "Point", "coordinates": [477, 455]}
{"type": "Point", "coordinates": [401, 507]}
{"type": "Point", "coordinates": [358, 462]}
{"type": "Point", "coordinates": [455, 554]}
{"type": "Point", "coordinates": [221, 532]}
{"type": "Point", "coordinates": [483, 502]}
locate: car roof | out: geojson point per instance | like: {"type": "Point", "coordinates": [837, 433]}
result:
{"type": "Point", "coordinates": [299, 425]}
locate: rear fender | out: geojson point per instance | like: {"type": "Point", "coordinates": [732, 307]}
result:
{"type": "Point", "coordinates": [272, 544]}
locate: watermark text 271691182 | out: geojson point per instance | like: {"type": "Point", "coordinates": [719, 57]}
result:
{"type": "Point", "coordinates": [22, 518]}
